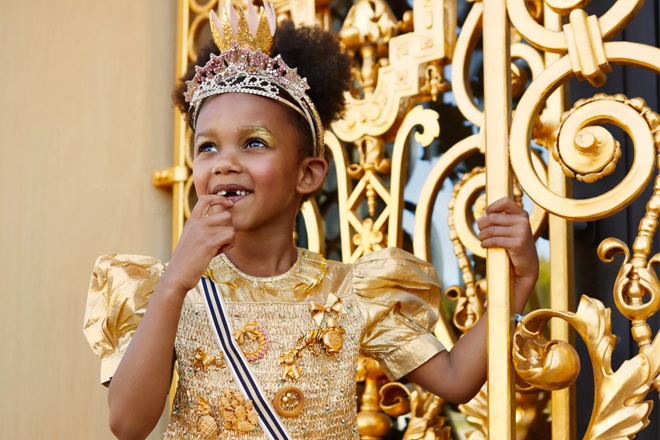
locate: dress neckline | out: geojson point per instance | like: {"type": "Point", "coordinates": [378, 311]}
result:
{"type": "Point", "coordinates": [307, 271]}
{"type": "Point", "coordinates": [256, 279]}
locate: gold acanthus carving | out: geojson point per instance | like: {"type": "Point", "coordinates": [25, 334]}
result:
{"type": "Point", "coordinates": [619, 409]}
{"type": "Point", "coordinates": [397, 399]}
{"type": "Point", "coordinates": [404, 75]}
{"type": "Point", "coordinates": [476, 411]}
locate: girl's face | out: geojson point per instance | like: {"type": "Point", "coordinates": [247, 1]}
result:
{"type": "Point", "coordinates": [246, 147]}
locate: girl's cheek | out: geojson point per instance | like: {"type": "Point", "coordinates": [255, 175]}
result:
{"type": "Point", "coordinates": [200, 178]}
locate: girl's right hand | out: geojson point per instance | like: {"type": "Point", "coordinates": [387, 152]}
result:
{"type": "Point", "coordinates": [207, 233]}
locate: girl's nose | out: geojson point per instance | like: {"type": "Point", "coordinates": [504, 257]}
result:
{"type": "Point", "coordinates": [226, 162]}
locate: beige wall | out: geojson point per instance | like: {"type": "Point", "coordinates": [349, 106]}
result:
{"type": "Point", "coordinates": [85, 118]}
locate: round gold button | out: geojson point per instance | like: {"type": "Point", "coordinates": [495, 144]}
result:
{"type": "Point", "coordinates": [288, 401]}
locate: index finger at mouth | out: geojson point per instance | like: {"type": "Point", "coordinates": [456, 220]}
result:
{"type": "Point", "coordinates": [205, 202]}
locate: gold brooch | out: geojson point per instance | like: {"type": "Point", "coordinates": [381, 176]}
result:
{"type": "Point", "coordinates": [332, 305]}
{"type": "Point", "coordinates": [207, 426]}
{"type": "Point", "coordinates": [288, 401]}
{"type": "Point", "coordinates": [237, 414]}
{"type": "Point", "coordinates": [203, 361]}
{"type": "Point", "coordinates": [288, 360]}
{"type": "Point", "coordinates": [252, 333]}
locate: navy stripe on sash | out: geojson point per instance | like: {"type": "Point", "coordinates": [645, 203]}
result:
{"type": "Point", "coordinates": [268, 419]}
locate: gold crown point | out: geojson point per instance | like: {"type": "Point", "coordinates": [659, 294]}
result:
{"type": "Point", "coordinates": [252, 30]}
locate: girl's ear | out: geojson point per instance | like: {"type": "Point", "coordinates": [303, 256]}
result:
{"type": "Point", "coordinates": [312, 174]}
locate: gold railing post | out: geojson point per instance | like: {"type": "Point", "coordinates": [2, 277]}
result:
{"type": "Point", "coordinates": [180, 142]}
{"type": "Point", "coordinates": [497, 113]}
{"type": "Point", "coordinates": [561, 255]}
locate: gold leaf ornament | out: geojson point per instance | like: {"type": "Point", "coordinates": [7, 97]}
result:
{"type": "Point", "coordinates": [619, 410]}
{"type": "Point", "coordinates": [237, 414]}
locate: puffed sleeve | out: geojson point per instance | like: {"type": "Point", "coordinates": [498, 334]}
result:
{"type": "Point", "coordinates": [118, 296]}
{"type": "Point", "coordinates": [399, 297]}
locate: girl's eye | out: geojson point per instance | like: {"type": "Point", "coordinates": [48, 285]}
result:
{"type": "Point", "coordinates": [255, 143]}
{"type": "Point", "coordinates": [207, 147]}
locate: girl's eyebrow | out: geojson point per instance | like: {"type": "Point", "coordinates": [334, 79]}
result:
{"type": "Point", "coordinates": [265, 133]}
{"type": "Point", "coordinates": [255, 129]}
{"type": "Point", "coordinates": [208, 132]}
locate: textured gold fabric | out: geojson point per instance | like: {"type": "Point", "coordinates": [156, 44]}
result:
{"type": "Point", "coordinates": [118, 296]}
{"type": "Point", "coordinates": [390, 299]}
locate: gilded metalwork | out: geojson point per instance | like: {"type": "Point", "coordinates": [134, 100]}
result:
{"type": "Point", "coordinates": [619, 408]}
{"type": "Point", "coordinates": [372, 423]}
{"type": "Point", "coordinates": [400, 63]}
{"type": "Point", "coordinates": [426, 423]}
{"type": "Point", "coordinates": [397, 72]}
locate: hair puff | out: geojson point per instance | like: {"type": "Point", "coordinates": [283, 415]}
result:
{"type": "Point", "coordinates": [318, 56]}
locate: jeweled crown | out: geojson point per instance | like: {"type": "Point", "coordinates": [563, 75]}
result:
{"type": "Point", "coordinates": [245, 66]}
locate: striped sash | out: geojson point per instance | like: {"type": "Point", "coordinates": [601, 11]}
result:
{"type": "Point", "coordinates": [268, 419]}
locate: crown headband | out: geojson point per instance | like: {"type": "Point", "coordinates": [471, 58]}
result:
{"type": "Point", "coordinates": [245, 66]}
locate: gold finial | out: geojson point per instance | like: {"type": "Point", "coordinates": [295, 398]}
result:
{"type": "Point", "coordinates": [252, 32]}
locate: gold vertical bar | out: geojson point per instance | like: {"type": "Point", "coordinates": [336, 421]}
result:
{"type": "Point", "coordinates": [561, 257]}
{"type": "Point", "coordinates": [180, 142]}
{"type": "Point", "coordinates": [497, 116]}
{"type": "Point", "coordinates": [178, 188]}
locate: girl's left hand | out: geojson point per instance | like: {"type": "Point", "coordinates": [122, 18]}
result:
{"type": "Point", "coordinates": [506, 225]}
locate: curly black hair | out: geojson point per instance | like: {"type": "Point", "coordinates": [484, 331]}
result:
{"type": "Point", "coordinates": [319, 57]}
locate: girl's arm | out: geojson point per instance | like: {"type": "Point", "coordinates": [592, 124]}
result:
{"type": "Point", "coordinates": [139, 387]}
{"type": "Point", "coordinates": [459, 374]}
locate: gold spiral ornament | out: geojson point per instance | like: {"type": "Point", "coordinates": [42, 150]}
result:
{"type": "Point", "coordinates": [630, 114]}
{"type": "Point", "coordinates": [586, 152]}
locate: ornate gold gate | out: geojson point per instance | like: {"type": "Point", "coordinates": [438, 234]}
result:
{"type": "Point", "coordinates": [531, 49]}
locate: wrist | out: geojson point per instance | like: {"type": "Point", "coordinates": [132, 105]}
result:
{"type": "Point", "coordinates": [172, 286]}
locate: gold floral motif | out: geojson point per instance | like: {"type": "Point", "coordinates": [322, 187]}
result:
{"type": "Point", "coordinates": [237, 414]}
{"type": "Point", "coordinates": [202, 361]}
{"type": "Point", "coordinates": [368, 239]}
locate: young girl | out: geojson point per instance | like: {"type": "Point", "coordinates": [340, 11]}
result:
{"type": "Point", "coordinates": [267, 342]}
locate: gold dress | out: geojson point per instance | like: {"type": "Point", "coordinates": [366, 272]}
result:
{"type": "Point", "coordinates": [389, 307]}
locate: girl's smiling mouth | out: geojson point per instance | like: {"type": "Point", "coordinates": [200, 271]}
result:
{"type": "Point", "coordinates": [232, 192]}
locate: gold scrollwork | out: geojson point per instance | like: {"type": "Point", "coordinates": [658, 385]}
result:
{"type": "Point", "coordinates": [619, 112]}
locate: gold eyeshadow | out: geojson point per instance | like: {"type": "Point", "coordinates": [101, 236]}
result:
{"type": "Point", "coordinates": [260, 132]}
